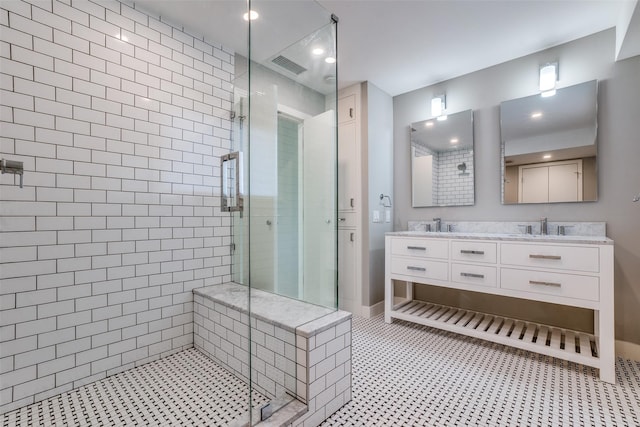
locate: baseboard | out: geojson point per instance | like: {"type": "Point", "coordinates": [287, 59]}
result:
{"type": "Point", "coordinates": [628, 350]}
{"type": "Point", "coordinates": [372, 310]}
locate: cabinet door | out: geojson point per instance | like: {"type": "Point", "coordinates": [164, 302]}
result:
{"type": "Point", "coordinates": [347, 166]}
{"type": "Point", "coordinates": [347, 272]}
{"type": "Point", "coordinates": [346, 109]}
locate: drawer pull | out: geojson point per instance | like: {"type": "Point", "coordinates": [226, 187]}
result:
{"type": "Point", "coordinates": [417, 248]}
{"type": "Point", "coordinates": [477, 276]}
{"type": "Point", "coordinates": [467, 251]}
{"type": "Point", "coordinates": [545, 256]}
{"type": "Point", "coordinates": [535, 282]}
{"type": "Point", "coordinates": [410, 267]}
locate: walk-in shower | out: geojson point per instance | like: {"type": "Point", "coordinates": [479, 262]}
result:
{"type": "Point", "coordinates": [176, 188]}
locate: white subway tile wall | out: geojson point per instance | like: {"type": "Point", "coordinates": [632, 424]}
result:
{"type": "Point", "coordinates": [454, 187]}
{"type": "Point", "coordinates": [120, 120]}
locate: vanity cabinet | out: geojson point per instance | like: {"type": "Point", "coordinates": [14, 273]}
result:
{"type": "Point", "coordinates": [570, 271]}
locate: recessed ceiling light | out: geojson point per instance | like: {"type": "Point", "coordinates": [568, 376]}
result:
{"type": "Point", "coordinates": [330, 60]}
{"type": "Point", "coordinates": [453, 140]}
{"type": "Point", "coordinates": [546, 156]}
{"type": "Point", "coordinates": [251, 15]}
{"type": "Point", "coordinates": [318, 51]}
{"type": "Point", "coordinates": [536, 115]}
{"type": "Point", "coordinates": [429, 124]}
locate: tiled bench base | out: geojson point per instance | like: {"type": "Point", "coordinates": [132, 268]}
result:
{"type": "Point", "coordinates": [297, 348]}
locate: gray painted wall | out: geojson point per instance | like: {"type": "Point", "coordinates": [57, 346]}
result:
{"type": "Point", "coordinates": [380, 172]}
{"type": "Point", "coordinates": [619, 151]}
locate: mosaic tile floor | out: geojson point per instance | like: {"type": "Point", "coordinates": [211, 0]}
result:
{"type": "Point", "coordinates": [403, 375]}
{"type": "Point", "coordinates": [184, 389]}
{"type": "Point", "coordinates": [410, 375]}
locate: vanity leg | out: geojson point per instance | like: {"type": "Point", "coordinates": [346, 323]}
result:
{"type": "Point", "coordinates": [606, 348]}
{"type": "Point", "coordinates": [604, 323]}
{"type": "Point", "coordinates": [388, 300]}
{"type": "Point", "coordinates": [388, 283]}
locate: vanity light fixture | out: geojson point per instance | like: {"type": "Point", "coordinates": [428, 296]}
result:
{"type": "Point", "coordinates": [438, 105]}
{"type": "Point", "coordinates": [548, 78]}
{"type": "Point", "coordinates": [330, 60]}
{"type": "Point", "coordinates": [317, 51]}
{"type": "Point", "coordinates": [252, 15]}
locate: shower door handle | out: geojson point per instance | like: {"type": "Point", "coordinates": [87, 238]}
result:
{"type": "Point", "coordinates": [231, 199]}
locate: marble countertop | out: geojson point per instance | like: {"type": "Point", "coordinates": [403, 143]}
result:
{"type": "Point", "coordinates": [595, 240]}
{"type": "Point", "coordinates": [287, 313]}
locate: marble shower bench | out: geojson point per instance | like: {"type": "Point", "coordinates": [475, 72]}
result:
{"type": "Point", "coordinates": [298, 349]}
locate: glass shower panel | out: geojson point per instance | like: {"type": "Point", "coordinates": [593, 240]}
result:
{"type": "Point", "coordinates": [292, 152]}
{"type": "Point", "coordinates": [289, 222]}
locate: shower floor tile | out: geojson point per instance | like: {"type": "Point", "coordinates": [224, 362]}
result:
{"type": "Point", "coordinates": [403, 375]}
{"type": "Point", "coordinates": [184, 389]}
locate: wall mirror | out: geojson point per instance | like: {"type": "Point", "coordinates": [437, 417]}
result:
{"type": "Point", "coordinates": [442, 163]}
{"type": "Point", "coordinates": [549, 146]}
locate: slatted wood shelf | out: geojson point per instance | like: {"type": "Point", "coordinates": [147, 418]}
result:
{"type": "Point", "coordinates": [565, 344]}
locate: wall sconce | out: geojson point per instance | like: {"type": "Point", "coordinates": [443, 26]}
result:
{"type": "Point", "coordinates": [438, 105]}
{"type": "Point", "coordinates": [548, 78]}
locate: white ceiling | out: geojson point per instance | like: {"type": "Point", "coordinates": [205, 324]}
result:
{"type": "Point", "coordinates": [402, 45]}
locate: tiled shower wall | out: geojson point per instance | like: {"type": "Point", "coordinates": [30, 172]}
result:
{"type": "Point", "coordinates": [119, 119]}
{"type": "Point", "coordinates": [454, 187]}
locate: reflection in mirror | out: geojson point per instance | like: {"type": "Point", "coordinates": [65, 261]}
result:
{"type": "Point", "coordinates": [442, 165]}
{"type": "Point", "coordinates": [549, 146]}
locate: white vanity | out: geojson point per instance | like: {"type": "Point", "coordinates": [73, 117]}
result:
{"type": "Point", "coordinates": [568, 270]}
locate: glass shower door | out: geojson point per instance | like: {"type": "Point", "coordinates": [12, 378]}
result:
{"type": "Point", "coordinates": [291, 159]}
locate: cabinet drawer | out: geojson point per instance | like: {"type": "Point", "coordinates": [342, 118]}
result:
{"type": "Point", "coordinates": [346, 219]}
{"type": "Point", "coordinates": [542, 282]}
{"type": "Point", "coordinates": [468, 250]}
{"type": "Point", "coordinates": [423, 248]}
{"type": "Point", "coordinates": [474, 274]}
{"type": "Point", "coordinates": [420, 268]}
{"type": "Point", "coordinates": [577, 258]}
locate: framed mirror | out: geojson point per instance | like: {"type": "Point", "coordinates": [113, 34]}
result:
{"type": "Point", "coordinates": [442, 161]}
{"type": "Point", "coordinates": [549, 146]}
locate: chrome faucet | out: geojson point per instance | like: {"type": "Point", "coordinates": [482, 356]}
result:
{"type": "Point", "coordinates": [438, 224]}
{"type": "Point", "coordinates": [543, 226]}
